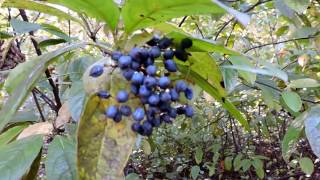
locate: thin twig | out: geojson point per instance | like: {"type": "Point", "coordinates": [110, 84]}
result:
{"type": "Point", "coordinates": [38, 106]}
{"type": "Point", "coordinates": [182, 21]}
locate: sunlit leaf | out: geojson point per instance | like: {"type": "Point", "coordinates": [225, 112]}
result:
{"type": "Point", "coordinates": [312, 129]}
{"type": "Point", "coordinates": [292, 100]}
{"type": "Point", "coordinates": [306, 165]}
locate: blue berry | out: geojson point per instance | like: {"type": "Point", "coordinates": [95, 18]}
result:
{"type": "Point", "coordinates": [154, 99]}
{"type": "Point", "coordinates": [181, 85]}
{"type": "Point", "coordinates": [111, 111]}
{"type": "Point", "coordinates": [136, 127]}
{"type": "Point", "coordinates": [122, 96]}
{"type": "Point", "coordinates": [147, 128]}
{"type": "Point", "coordinates": [125, 62]}
{"type": "Point", "coordinates": [155, 122]}
{"type": "Point", "coordinates": [96, 71]}
{"type": "Point", "coordinates": [164, 106]}
{"type": "Point", "coordinates": [188, 93]}
{"type": "Point", "coordinates": [168, 54]}
{"type": "Point", "coordinates": [144, 99]}
{"type": "Point", "coordinates": [150, 82]}
{"type": "Point", "coordinates": [138, 114]}
{"type": "Point", "coordinates": [165, 97]}
{"type": "Point", "coordinates": [104, 94]}
{"type": "Point", "coordinates": [151, 70]}
{"type": "Point", "coordinates": [155, 52]}
{"type": "Point", "coordinates": [128, 73]}
{"type": "Point", "coordinates": [125, 110]}
{"type": "Point", "coordinates": [144, 91]}
{"type": "Point", "coordinates": [189, 111]}
{"type": "Point", "coordinates": [118, 117]}
{"type": "Point", "coordinates": [144, 54]}
{"type": "Point", "coordinates": [149, 62]}
{"type": "Point", "coordinates": [137, 78]}
{"type": "Point", "coordinates": [164, 43]}
{"type": "Point", "coordinates": [172, 112]}
{"type": "Point", "coordinates": [170, 65]}
{"type": "Point", "coordinates": [135, 53]}
{"type": "Point", "coordinates": [135, 65]}
{"type": "Point", "coordinates": [174, 95]}
{"type": "Point", "coordinates": [164, 82]}
{"type": "Point", "coordinates": [181, 110]}
{"type": "Point", "coordinates": [115, 55]}
{"type": "Point", "coordinates": [134, 89]}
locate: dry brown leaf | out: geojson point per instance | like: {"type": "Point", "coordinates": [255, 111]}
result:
{"type": "Point", "coordinates": [43, 128]}
{"type": "Point", "coordinates": [64, 116]}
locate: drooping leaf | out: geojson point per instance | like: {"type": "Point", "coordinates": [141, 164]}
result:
{"type": "Point", "coordinates": [237, 162]}
{"type": "Point", "coordinates": [306, 165]}
{"type": "Point", "coordinates": [132, 176]}
{"type": "Point", "coordinates": [304, 83]}
{"type": "Point", "coordinates": [61, 159]}
{"type": "Point", "coordinates": [22, 79]}
{"type": "Point", "coordinates": [312, 129]}
{"type": "Point", "coordinates": [106, 10]}
{"type": "Point", "coordinates": [201, 82]}
{"type": "Point", "coordinates": [292, 100]}
{"type": "Point", "coordinates": [24, 116]}
{"type": "Point", "coordinates": [139, 14]}
{"type": "Point", "coordinates": [246, 164]}
{"type": "Point", "coordinates": [195, 170]}
{"type": "Point", "coordinates": [5, 35]}
{"type": "Point", "coordinates": [17, 157]}
{"type": "Point", "coordinates": [76, 100]}
{"type": "Point", "coordinates": [43, 128]}
{"type": "Point", "coordinates": [34, 168]}
{"type": "Point", "coordinates": [282, 30]}
{"type": "Point", "coordinates": [51, 42]}
{"type": "Point", "coordinates": [230, 79]}
{"type": "Point", "coordinates": [39, 7]}
{"type": "Point", "coordinates": [304, 32]}
{"type": "Point", "coordinates": [10, 134]}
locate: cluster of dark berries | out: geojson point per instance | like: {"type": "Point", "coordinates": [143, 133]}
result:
{"type": "Point", "coordinates": [159, 95]}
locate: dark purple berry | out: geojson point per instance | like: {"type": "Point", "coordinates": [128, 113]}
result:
{"type": "Point", "coordinates": [168, 54]}
{"type": "Point", "coordinates": [124, 62]}
{"type": "Point", "coordinates": [125, 110]}
{"type": "Point", "coordinates": [165, 97]}
{"type": "Point", "coordinates": [186, 43]}
{"type": "Point", "coordinates": [128, 73]}
{"type": "Point", "coordinates": [181, 85]}
{"type": "Point", "coordinates": [153, 42]}
{"type": "Point", "coordinates": [165, 118]}
{"type": "Point", "coordinates": [115, 55]}
{"type": "Point", "coordinates": [150, 82]}
{"type": "Point", "coordinates": [154, 99]}
{"type": "Point", "coordinates": [135, 53]}
{"type": "Point", "coordinates": [188, 93]}
{"type": "Point", "coordinates": [136, 127]}
{"type": "Point", "coordinates": [189, 111]}
{"type": "Point", "coordinates": [104, 94]}
{"type": "Point", "coordinates": [155, 52]}
{"type": "Point", "coordinates": [164, 43]}
{"type": "Point", "coordinates": [118, 117]}
{"type": "Point", "coordinates": [135, 65]}
{"type": "Point", "coordinates": [181, 55]}
{"type": "Point", "coordinates": [174, 95]}
{"type": "Point", "coordinates": [181, 110]}
{"type": "Point", "coordinates": [144, 91]}
{"type": "Point", "coordinates": [134, 89]}
{"type": "Point", "coordinates": [147, 128]}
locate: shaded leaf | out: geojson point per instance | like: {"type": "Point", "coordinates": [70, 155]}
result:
{"type": "Point", "coordinates": [76, 99]}
{"type": "Point", "coordinates": [24, 27]}
{"type": "Point", "coordinates": [51, 42]}
{"type": "Point", "coordinates": [292, 100]}
{"type": "Point", "coordinates": [304, 83]}
{"type": "Point", "coordinates": [258, 166]}
{"type": "Point", "coordinates": [24, 116]}
{"type": "Point", "coordinates": [228, 163]}
{"type": "Point", "coordinates": [195, 170]}
{"type": "Point", "coordinates": [43, 128]}
{"type": "Point", "coordinates": [299, 6]}
{"type": "Point", "coordinates": [199, 155]}
{"type": "Point", "coordinates": [306, 165]}
{"type": "Point", "coordinates": [61, 159]}
{"type": "Point", "coordinates": [17, 157]}
{"type": "Point", "coordinates": [237, 162]}
{"type": "Point", "coordinates": [246, 164]}
{"type": "Point", "coordinates": [132, 176]}
{"type": "Point", "coordinates": [240, 61]}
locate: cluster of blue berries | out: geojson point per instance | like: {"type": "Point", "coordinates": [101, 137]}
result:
{"type": "Point", "coordinates": [159, 95]}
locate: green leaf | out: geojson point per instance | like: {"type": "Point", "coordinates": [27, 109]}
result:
{"type": "Point", "coordinates": [132, 176]}
{"type": "Point", "coordinates": [304, 83]}
{"type": "Point", "coordinates": [199, 155]}
{"type": "Point", "coordinates": [22, 79]}
{"type": "Point", "coordinates": [306, 165]}
{"type": "Point", "coordinates": [17, 157]}
{"type": "Point", "coordinates": [39, 7]}
{"type": "Point", "coordinates": [106, 10]}
{"type": "Point", "coordinates": [146, 147]}
{"type": "Point", "coordinates": [51, 42]}
{"type": "Point", "coordinates": [246, 164]}
{"type": "Point", "coordinates": [237, 162]}
{"type": "Point", "coordinates": [24, 116]}
{"type": "Point", "coordinates": [24, 27]}
{"type": "Point", "coordinates": [244, 62]}
{"type": "Point", "coordinates": [312, 129]}
{"type": "Point", "coordinates": [282, 30]}
{"type": "Point", "coordinates": [299, 6]}
{"type": "Point", "coordinates": [55, 31]}
{"type": "Point", "coordinates": [139, 14]}
{"type": "Point", "coordinates": [304, 32]}
{"type": "Point", "coordinates": [258, 165]}
{"type": "Point", "coordinates": [5, 35]}
{"type": "Point", "coordinates": [292, 100]}
{"type": "Point", "coordinates": [292, 135]}
{"type": "Point", "coordinates": [76, 99]}
{"type": "Point", "coordinates": [10, 134]}
{"type": "Point", "coordinates": [230, 79]}
{"type": "Point", "coordinates": [228, 163]}
{"type": "Point", "coordinates": [195, 170]}
{"type": "Point", "coordinates": [206, 86]}
{"type": "Point", "coordinates": [61, 159]}
{"type": "Point", "coordinates": [34, 168]}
